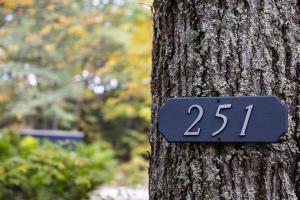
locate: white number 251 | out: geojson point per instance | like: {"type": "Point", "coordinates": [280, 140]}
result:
{"type": "Point", "coordinates": [188, 132]}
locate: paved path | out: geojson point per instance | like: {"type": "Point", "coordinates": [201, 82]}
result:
{"type": "Point", "coordinates": [120, 193]}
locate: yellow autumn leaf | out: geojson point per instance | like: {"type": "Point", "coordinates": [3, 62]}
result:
{"type": "Point", "coordinates": [64, 20]}
{"type": "Point", "coordinates": [25, 2]}
{"type": "Point", "coordinates": [111, 102]}
{"type": "Point", "coordinates": [51, 7]}
{"type": "Point", "coordinates": [8, 5]}
{"type": "Point", "coordinates": [23, 168]}
{"type": "Point", "coordinates": [49, 47]}
{"type": "Point", "coordinates": [46, 29]}
{"type": "Point", "coordinates": [145, 112]}
{"type": "Point", "coordinates": [88, 94]}
{"type": "Point", "coordinates": [17, 126]}
{"type": "Point", "coordinates": [13, 47]}
{"type": "Point", "coordinates": [11, 4]}
{"type": "Point", "coordinates": [3, 57]}
{"type": "Point", "coordinates": [79, 163]}
{"type": "Point", "coordinates": [19, 116]}
{"type": "Point", "coordinates": [125, 26]}
{"type": "Point", "coordinates": [110, 64]}
{"type": "Point", "coordinates": [29, 142]}
{"type": "Point", "coordinates": [4, 97]}
{"type": "Point", "coordinates": [77, 30]}
{"type": "Point", "coordinates": [61, 166]}
{"type": "Point", "coordinates": [93, 20]}
{"type": "Point", "coordinates": [4, 32]}
{"type": "Point", "coordinates": [32, 12]}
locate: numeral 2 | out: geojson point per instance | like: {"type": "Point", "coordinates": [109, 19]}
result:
{"type": "Point", "coordinates": [188, 132]}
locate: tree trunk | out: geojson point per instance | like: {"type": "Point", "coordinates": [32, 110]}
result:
{"type": "Point", "coordinates": [225, 48]}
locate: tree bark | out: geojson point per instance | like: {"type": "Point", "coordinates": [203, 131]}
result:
{"type": "Point", "coordinates": [225, 48]}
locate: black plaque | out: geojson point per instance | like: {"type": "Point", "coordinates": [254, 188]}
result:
{"type": "Point", "coordinates": [223, 119]}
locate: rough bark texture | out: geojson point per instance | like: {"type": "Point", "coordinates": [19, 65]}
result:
{"type": "Point", "coordinates": [221, 48]}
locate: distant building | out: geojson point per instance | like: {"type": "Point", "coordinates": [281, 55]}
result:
{"type": "Point", "coordinates": [66, 137]}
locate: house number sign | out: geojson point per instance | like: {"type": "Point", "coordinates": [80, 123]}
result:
{"type": "Point", "coordinates": [223, 119]}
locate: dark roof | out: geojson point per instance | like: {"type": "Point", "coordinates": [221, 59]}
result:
{"type": "Point", "coordinates": [51, 133]}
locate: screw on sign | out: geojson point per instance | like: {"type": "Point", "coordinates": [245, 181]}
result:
{"type": "Point", "coordinates": [223, 119]}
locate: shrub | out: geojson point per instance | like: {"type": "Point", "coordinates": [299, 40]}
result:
{"type": "Point", "coordinates": [134, 172]}
{"type": "Point", "coordinates": [47, 171]}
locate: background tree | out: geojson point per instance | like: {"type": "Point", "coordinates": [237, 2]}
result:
{"type": "Point", "coordinates": [73, 65]}
{"type": "Point", "coordinates": [220, 48]}
{"type": "Point", "coordinates": [77, 65]}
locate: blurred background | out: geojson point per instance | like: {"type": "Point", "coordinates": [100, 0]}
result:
{"type": "Point", "coordinates": [74, 99]}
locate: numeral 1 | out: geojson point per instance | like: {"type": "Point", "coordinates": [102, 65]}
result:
{"type": "Point", "coordinates": [249, 110]}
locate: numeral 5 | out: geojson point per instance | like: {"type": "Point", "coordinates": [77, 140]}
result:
{"type": "Point", "coordinates": [218, 114]}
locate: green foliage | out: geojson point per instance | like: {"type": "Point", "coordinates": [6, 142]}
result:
{"type": "Point", "coordinates": [47, 171]}
{"type": "Point", "coordinates": [76, 65]}
{"type": "Point", "coordinates": [8, 139]}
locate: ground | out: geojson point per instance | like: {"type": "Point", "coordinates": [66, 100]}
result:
{"type": "Point", "coordinates": [120, 193]}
